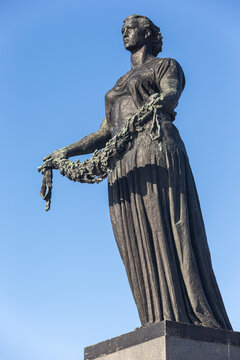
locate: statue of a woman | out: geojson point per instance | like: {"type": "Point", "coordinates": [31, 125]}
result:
{"type": "Point", "coordinates": [154, 206]}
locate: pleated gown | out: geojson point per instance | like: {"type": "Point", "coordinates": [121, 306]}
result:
{"type": "Point", "coordinates": [155, 211]}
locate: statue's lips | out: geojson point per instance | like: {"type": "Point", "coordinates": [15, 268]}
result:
{"type": "Point", "coordinates": [126, 42]}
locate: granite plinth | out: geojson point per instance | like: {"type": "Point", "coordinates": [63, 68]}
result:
{"type": "Point", "coordinates": [169, 340]}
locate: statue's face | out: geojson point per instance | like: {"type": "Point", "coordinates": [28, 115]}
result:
{"type": "Point", "coordinates": [133, 36]}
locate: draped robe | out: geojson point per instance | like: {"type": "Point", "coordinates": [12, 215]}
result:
{"type": "Point", "coordinates": [154, 207]}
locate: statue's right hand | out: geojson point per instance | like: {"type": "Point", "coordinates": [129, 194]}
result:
{"type": "Point", "coordinates": [52, 159]}
{"type": "Point", "coordinates": [57, 154]}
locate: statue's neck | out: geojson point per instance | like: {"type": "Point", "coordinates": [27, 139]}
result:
{"type": "Point", "coordinates": [141, 56]}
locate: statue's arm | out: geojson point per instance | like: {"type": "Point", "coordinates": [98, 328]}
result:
{"type": "Point", "coordinates": [170, 81]}
{"type": "Point", "coordinates": [86, 145]}
{"type": "Point", "coordinates": [90, 143]}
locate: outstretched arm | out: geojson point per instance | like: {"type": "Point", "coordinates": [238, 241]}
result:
{"type": "Point", "coordinates": [91, 142]}
{"type": "Point", "coordinates": [86, 145]}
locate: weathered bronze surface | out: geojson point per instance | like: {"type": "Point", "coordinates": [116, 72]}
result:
{"type": "Point", "coordinates": [154, 206]}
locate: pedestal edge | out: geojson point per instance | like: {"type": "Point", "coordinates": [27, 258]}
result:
{"type": "Point", "coordinates": [164, 328]}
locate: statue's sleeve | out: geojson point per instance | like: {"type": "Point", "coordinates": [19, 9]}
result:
{"type": "Point", "coordinates": [170, 81]}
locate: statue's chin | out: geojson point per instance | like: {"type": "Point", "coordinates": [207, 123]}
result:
{"type": "Point", "coordinates": [129, 48]}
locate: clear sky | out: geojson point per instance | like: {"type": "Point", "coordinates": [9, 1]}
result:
{"type": "Point", "coordinates": [62, 283]}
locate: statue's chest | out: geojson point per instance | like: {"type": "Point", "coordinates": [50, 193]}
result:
{"type": "Point", "coordinates": [135, 83]}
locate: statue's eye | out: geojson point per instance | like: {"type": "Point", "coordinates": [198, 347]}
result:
{"type": "Point", "coordinates": [127, 30]}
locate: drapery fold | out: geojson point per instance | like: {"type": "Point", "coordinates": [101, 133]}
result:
{"type": "Point", "coordinates": [159, 230]}
{"type": "Point", "coordinates": [154, 207]}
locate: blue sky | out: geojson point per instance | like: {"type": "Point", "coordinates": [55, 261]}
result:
{"type": "Point", "coordinates": [62, 283]}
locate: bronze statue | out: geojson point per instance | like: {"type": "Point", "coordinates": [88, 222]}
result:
{"type": "Point", "coordinates": [154, 206]}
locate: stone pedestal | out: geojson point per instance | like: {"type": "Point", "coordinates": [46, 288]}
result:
{"type": "Point", "coordinates": [169, 341]}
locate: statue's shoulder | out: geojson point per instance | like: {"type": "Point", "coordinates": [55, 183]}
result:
{"type": "Point", "coordinates": [169, 65]}
{"type": "Point", "coordinates": [166, 62]}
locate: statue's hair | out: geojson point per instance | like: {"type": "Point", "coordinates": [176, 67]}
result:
{"type": "Point", "coordinates": [145, 23]}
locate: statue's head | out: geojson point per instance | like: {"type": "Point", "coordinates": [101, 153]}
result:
{"type": "Point", "coordinates": [139, 30]}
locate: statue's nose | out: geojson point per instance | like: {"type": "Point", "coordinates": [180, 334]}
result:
{"type": "Point", "coordinates": [125, 33]}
